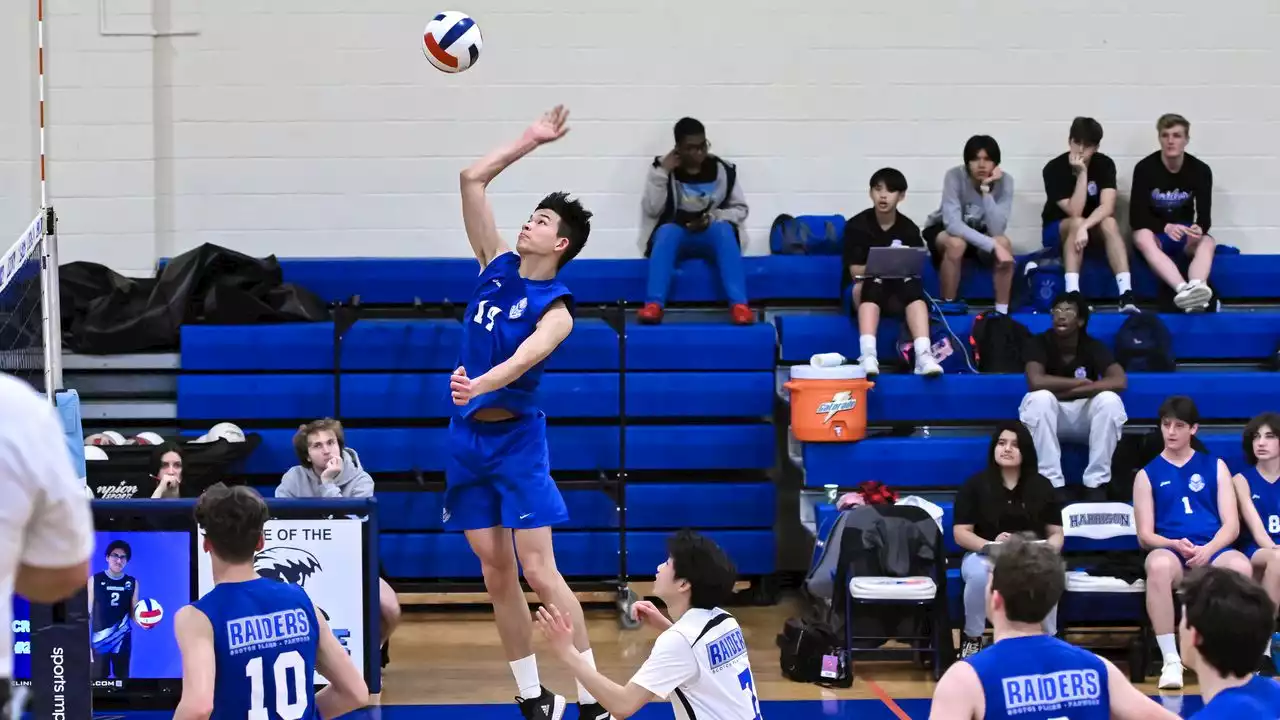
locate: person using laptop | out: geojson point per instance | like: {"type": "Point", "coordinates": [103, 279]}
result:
{"type": "Point", "coordinates": [882, 226]}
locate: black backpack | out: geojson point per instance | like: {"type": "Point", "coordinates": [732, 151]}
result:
{"type": "Point", "coordinates": [1144, 344]}
{"type": "Point", "coordinates": [812, 652]}
{"type": "Point", "coordinates": [998, 343]}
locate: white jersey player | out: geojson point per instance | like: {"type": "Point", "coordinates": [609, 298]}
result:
{"type": "Point", "coordinates": [699, 662]}
{"type": "Point", "coordinates": [46, 528]}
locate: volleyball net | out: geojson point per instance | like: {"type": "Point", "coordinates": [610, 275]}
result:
{"type": "Point", "coordinates": [30, 326]}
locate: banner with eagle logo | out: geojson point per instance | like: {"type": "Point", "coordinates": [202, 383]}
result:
{"type": "Point", "coordinates": [323, 556]}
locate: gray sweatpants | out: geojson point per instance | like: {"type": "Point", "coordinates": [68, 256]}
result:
{"type": "Point", "coordinates": [1098, 420]}
{"type": "Point", "coordinates": [975, 570]}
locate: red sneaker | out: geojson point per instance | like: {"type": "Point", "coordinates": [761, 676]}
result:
{"type": "Point", "coordinates": [741, 314]}
{"type": "Point", "coordinates": [650, 314]}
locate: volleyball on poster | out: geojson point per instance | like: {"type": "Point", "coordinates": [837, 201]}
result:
{"type": "Point", "coordinates": [326, 558]}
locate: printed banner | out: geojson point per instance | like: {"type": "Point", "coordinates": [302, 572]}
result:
{"type": "Point", "coordinates": [323, 556]}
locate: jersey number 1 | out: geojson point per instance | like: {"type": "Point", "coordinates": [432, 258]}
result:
{"type": "Point", "coordinates": [488, 312]}
{"type": "Point", "coordinates": [286, 664]}
{"type": "Point", "coordinates": [749, 685]}
{"type": "Point", "coordinates": [1186, 504]}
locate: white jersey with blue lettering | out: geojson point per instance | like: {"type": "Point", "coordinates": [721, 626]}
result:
{"type": "Point", "coordinates": [700, 665]}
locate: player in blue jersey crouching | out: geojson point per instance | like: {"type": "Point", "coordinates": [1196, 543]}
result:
{"type": "Point", "coordinates": [252, 645]}
{"type": "Point", "coordinates": [498, 475]}
{"type": "Point", "coordinates": [1026, 674]}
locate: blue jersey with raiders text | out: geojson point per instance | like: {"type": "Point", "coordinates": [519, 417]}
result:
{"type": "Point", "coordinates": [1266, 500]}
{"type": "Point", "coordinates": [1185, 498]}
{"type": "Point", "coordinates": [1040, 677]}
{"type": "Point", "coordinates": [265, 639]}
{"type": "Point", "coordinates": [503, 313]}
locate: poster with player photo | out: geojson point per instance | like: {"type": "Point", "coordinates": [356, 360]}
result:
{"type": "Point", "coordinates": [323, 556]}
{"type": "Point", "coordinates": [137, 581]}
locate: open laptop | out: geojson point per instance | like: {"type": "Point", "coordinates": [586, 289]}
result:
{"type": "Point", "coordinates": [899, 261]}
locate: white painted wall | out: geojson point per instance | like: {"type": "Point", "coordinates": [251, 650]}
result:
{"type": "Point", "coordinates": [315, 127]}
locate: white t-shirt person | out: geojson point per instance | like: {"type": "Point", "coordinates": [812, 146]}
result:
{"type": "Point", "coordinates": [700, 665]}
{"type": "Point", "coordinates": [45, 521]}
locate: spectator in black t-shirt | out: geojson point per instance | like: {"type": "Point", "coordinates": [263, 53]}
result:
{"type": "Point", "coordinates": [883, 226]}
{"type": "Point", "coordinates": [1008, 498]}
{"type": "Point", "coordinates": [1169, 210]}
{"type": "Point", "coordinates": [1080, 206]}
{"type": "Point", "coordinates": [1073, 383]}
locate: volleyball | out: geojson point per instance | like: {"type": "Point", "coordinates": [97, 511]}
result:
{"type": "Point", "coordinates": [147, 613]}
{"type": "Point", "coordinates": [452, 41]}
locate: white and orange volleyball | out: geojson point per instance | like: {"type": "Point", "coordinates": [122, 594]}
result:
{"type": "Point", "coordinates": [452, 41]}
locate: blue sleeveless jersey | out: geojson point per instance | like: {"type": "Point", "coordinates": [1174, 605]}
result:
{"type": "Point", "coordinates": [1258, 698]}
{"type": "Point", "coordinates": [504, 311]}
{"type": "Point", "coordinates": [265, 638]}
{"type": "Point", "coordinates": [1266, 500]}
{"type": "Point", "coordinates": [1185, 498]}
{"type": "Point", "coordinates": [112, 612]}
{"type": "Point", "coordinates": [1040, 677]}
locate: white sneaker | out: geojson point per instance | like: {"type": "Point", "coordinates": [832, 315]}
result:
{"type": "Point", "coordinates": [1171, 676]}
{"type": "Point", "coordinates": [927, 366]}
{"type": "Point", "coordinates": [1194, 294]}
{"type": "Point", "coordinates": [870, 365]}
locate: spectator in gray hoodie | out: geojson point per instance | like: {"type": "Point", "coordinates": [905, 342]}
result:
{"type": "Point", "coordinates": [330, 469]}
{"type": "Point", "coordinates": [977, 198]}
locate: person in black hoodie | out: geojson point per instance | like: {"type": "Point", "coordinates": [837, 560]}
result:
{"type": "Point", "coordinates": [1007, 498]}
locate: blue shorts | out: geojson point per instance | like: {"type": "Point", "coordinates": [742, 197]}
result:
{"type": "Point", "coordinates": [1051, 237]}
{"type": "Point", "coordinates": [499, 474]}
{"type": "Point", "coordinates": [1184, 560]}
{"type": "Point", "coordinates": [1171, 246]}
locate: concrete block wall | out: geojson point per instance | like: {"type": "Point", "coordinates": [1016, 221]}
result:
{"type": "Point", "coordinates": [315, 127]}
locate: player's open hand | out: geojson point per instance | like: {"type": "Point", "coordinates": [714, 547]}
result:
{"type": "Point", "coordinates": [556, 628]}
{"type": "Point", "coordinates": [460, 387]}
{"type": "Point", "coordinates": [649, 614]}
{"type": "Point", "coordinates": [550, 127]}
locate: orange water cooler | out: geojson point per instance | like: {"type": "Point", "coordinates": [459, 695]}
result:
{"type": "Point", "coordinates": [828, 404]}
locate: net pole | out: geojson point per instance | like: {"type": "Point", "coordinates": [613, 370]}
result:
{"type": "Point", "coordinates": [50, 305]}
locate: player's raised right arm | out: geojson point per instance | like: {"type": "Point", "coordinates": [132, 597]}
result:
{"type": "Point", "coordinates": [477, 213]}
{"type": "Point", "coordinates": [347, 691]}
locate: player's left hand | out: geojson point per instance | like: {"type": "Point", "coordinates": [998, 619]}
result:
{"type": "Point", "coordinates": [461, 387]}
{"type": "Point", "coordinates": [556, 628]}
{"type": "Point", "coordinates": [1200, 557]}
{"type": "Point", "coordinates": [1081, 239]}
{"type": "Point", "coordinates": [550, 127]}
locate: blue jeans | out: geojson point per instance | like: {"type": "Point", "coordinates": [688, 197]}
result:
{"type": "Point", "coordinates": [718, 244]}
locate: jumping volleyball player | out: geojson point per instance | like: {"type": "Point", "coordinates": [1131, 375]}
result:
{"type": "Point", "coordinates": [498, 475]}
{"type": "Point", "coordinates": [251, 646]}
{"type": "Point", "coordinates": [1026, 674]}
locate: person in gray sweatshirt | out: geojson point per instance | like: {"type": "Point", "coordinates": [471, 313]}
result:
{"type": "Point", "coordinates": [977, 198]}
{"type": "Point", "coordinates": [330, 469]}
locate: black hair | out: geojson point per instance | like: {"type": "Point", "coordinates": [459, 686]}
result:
{"type": "Point", "coordinates": [978, 143]}
{"type": "Point", "coordinates": [705, 566]}
{"type": "Point", "coordinates": [686, 127]}
{"type": "Point", "coordinates": [575, 222]}
{"type": "Point", "coordinates": [1179, 407]}
{"type": "Point", "coordinates": [1075, 299]}
{"type": "Point", "coordinates": [119, 545]}
{"type": "Point", "coordinates": [157, 455]}
{"type": "Point", "coordinates": [1251, 430]}
{"type": "Point", "coordinates": [1086, 131]}
{"type": "Point", "coordinates": [232, 518]}
{"type": "Point", "coordinates": [1030, 462]}
{"type": "Point", "coordinates": [892, 179]}
{"type": "Point", "coordinates": [1031, 578]}
{"type": "Point", "coordinates": [1233, 616]}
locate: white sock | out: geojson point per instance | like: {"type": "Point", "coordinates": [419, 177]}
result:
{"type": "Point", "coordinates": [867, 345]}
{"type": "Point", "coordinates": [922, 347]}
{"type": "Point", "coordinates": [526, 671]}
{"type": "Point", "coordinates": [1122, 283]}
{"type": "Point", "coordinates": [1073, 281]}
{"type": "Point", "coordinates": [1002, 308]}
{"type": "Point", "coordinates": [1267, 652]}
{"type": "Point", "coordinates": [584, 697]}
{"type": "Point", "coordinates": [1168, 648]}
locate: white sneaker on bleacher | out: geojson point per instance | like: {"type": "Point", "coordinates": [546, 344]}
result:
{"type": "Point", "coordinates": [1193, 295]}
{"type": "Point", "coordinates": [1171, 676]}
{"type": "Point", "coordinates": [927, 366]}
{"type": "Point", "coordinates": [870, 365]}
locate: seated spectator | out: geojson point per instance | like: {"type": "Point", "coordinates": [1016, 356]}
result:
{"type": "Point", "coordinates": [330, 469]}
{"type": "Point", "coordinates": [1080, 208]}
{"type": "Point", "coordinates": [883, 226]}
{"type": "Point", "coordinates": [1073, 384]}
{"type": "Point", "coordinates": [166, 470]}
{"type": "Point", "coordinates": [1169, 210]}
{"type": "Point", "coordinates": [1185, 507]}
{"type": "Point", "coordinates": [1006, 499]}
{"type": "Point", "coordinates": [977, 198]}
{"type": "Point", "coordinates": [1258, 493]}
{"type": "Point", "coordinates": [693, 207]}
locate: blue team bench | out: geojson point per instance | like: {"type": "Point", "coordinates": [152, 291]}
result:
{"type": "Point", "coordinates": [946, 461]}
{"type": "Point", "coordinates": [911, 399]}
{"type": "Point", "coordinates": [426, 395]}
{"type": "Point", "coordinates": [1234, 335]}
{"type": "Point", "coordinates": [578, 554]}
{"type": "Point", "coordinates": [769, 278]}
{"type": "Point", "coordinates": [405, 345]}
{"type": "Point", "coordinates": [745, 446]}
